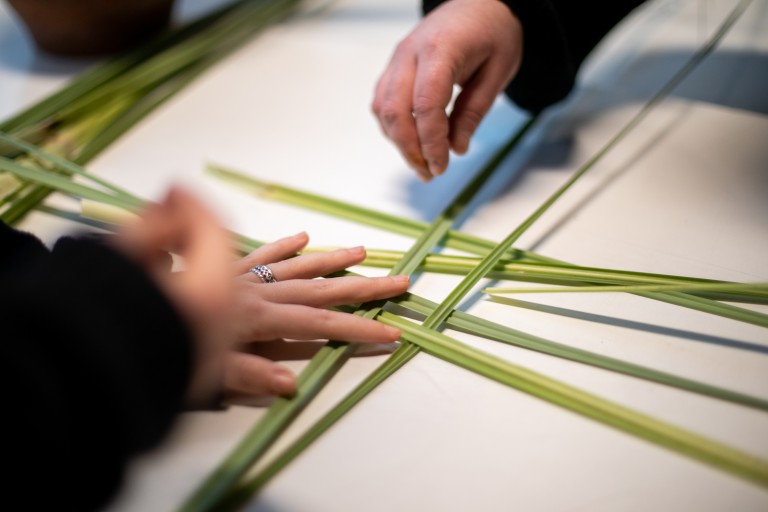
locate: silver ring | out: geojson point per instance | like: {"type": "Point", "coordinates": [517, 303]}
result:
{"type": "Point", "coordinates": [264, 273]}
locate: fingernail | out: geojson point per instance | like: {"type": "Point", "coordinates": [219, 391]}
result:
{"type": "Point", "coordinates": [462, 143]}
{"type": "Point", "coordinates": [435, 168]}
{"type": "Point", "coordinates": [282, 382]}
{"type": "Point", "coordinates": [302, 234]}
{"type": "Point", "coordinates": [400, 278]}
{"type": "Point", "coordinates": [359, 250]}
{"type": "Point", "coordinates": [419, 165]}
{"type": "Point", "coordinates": [393, 333]}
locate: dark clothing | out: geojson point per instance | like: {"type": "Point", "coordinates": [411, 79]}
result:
{"type": "Point", "coordinates": [95, 365]}
{"type": "Point", "coordinates": [557, 37]}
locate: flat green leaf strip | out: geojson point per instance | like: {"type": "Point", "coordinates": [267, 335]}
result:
{"type": "Point", "coordinates": [759, 289]}
{"type": "Point", "coordinates": [643, 426]}
{"type": "Point", "coordinates": [460, 265]}
{"type": "Point", "coordinates": [280, 414]}
{"type": "Point", "coordinates": [441, 226]}
{"type": "Point", "coordinates": [445, 309]}
{"type": "Point", "coordinates": [669, 436]}
{"type": "Point", "coordinates": [428, 238]}
{"type": "Point", "coordinates": [234, 27]}
{"type": "Point", "coordinates": [240, 495]}
{"type": "Point", "coordinates": [104, 103]}
{"type": "Point", "coordinates": [560, 273]}
{"type": "Point", "coordinates": [355, 213]}
{"type": "Point", "coordinates": [471, 324]}
{"type": "Point", "coordinates": [405, 265]}
{"type": "Point", "coordinates": [64, 184]}
{"type": "Point", "coordinates": [20, 206]}
{"type": "Point", "coordinates": [576, 276]}
{"type": "Point", "coordinates": [488, 262]}
{"type": "Point", "coordinates": [709, 306]}
{"type": "Point", "coordinates": [65, 165]}
{"type": "Point", "coordinates": [480, 327]}
{"type": "Point", "coordinates": [89, 81]}
{"type": "Point", "coordinates": [322, 367]}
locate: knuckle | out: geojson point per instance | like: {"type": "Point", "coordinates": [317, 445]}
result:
{"type": "Point", "coordinates": [390, 114]}
{"type": "Point", "coordinates": [324, 286]}
{"type": "Point", "coordinates": [256, 305]}
{"type": "Point", "coordinates": [325, 316]}
{"type": "Point", "coordinates": [424, 105]}
{"type": "Point", "coordinates": [405, 46]}
{"type": "Point", "coordinates": [471, 118]}
{"type": "Point", "coordinates": [240, 374]}
{"type": "Point", "coordinates": [432, 46]}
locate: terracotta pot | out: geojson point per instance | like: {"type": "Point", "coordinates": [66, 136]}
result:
{"type": "Point", "coordinates": [92, 27]}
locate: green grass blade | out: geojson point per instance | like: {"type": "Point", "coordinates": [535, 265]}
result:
{"type": "Point", "coordinates": [759, 289]}
{"type": "Point", "coordinates": [325, 364]}
{"type": "Point", "coordinates": [429, 238]}
{"type": "Point", "coordinates": [564, 274]}
{"type": "Point", "coordinates": [704, 450]}
{"type": "Point", "coordinates": [476, 326]}
{"type": "Point", "coordinates": [90, 80]}
{"type": "Point", "coordinates": [55, 181]}
{"type": "Point", "coordinates": [93, 80]}
{"type": "Point", "coordinates": [467, 243]}
{"type": "Point", "coordinates": [215, 487]}
{"type": "Point", "coordinates": [471, 324]}
{"type": "Point", "coordinates": [245, 491]}
{"type": "Point", "coordinates": [105, 102]}
{"type": "Point", "coordinates": [65, 165]}
{"type": "Point", "coordinates": [441, 226]}
{"type": "Point", "coordinates": [20, 206]}
{"type": "Point", "coordinates": [496, 372]}
{"type": "Point", "coordinates": [355, 213]}
{"type": "Point", "coordinates": [232, 29]}
{"type": "Point", "coordinates": [710, 306]}
{"type": "Point", "coordinates": [685, 442]}
{"type": "Point", "coordinates": [443, 310]}
{"type": "Point", "coordinates": [741, 464]}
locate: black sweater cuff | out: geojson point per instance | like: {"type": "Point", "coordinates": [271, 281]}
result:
{"type": "Point", "coordinates": [96, 363]}
{"type": "Point", "coordinates": [557, 37]}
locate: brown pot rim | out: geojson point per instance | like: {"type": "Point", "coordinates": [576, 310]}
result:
{"type": "Point", "coordinates": [92, 28]}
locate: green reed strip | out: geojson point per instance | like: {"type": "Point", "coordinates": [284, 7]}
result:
{"type": "Point", "coordinates": [85, 117]}
{"type": "Point", "coordinates": [246, 453]}
{"type": "Point", "coordinates": [612, 414]}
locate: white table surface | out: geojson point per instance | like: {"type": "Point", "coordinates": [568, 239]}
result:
{"type": "Point", "coordinates": [686, 193]}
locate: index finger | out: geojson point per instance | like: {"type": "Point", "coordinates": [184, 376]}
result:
{"type": "Point", "coordinates": [432, 91]}
{"type": "Point", "coordinates": [393, 109]}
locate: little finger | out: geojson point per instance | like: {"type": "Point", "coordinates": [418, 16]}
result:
{"type": "Point", "coordinates": [256, 376]}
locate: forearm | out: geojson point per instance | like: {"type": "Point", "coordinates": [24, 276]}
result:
{"type": "Point", "coordinates": [98, 362]}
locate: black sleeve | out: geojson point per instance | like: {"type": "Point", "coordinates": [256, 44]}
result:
{"type": "Point", "coordinates": [557, 37]}
{"type": "Point", "coordinates": [95, 366]}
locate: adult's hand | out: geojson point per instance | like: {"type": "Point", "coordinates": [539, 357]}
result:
{"type": "Point", "coordinates": [475, 44]}
{"type": "Point", "coordinates": [295, 308]}
{"type": "Point", "coordinates": [228, 307]}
